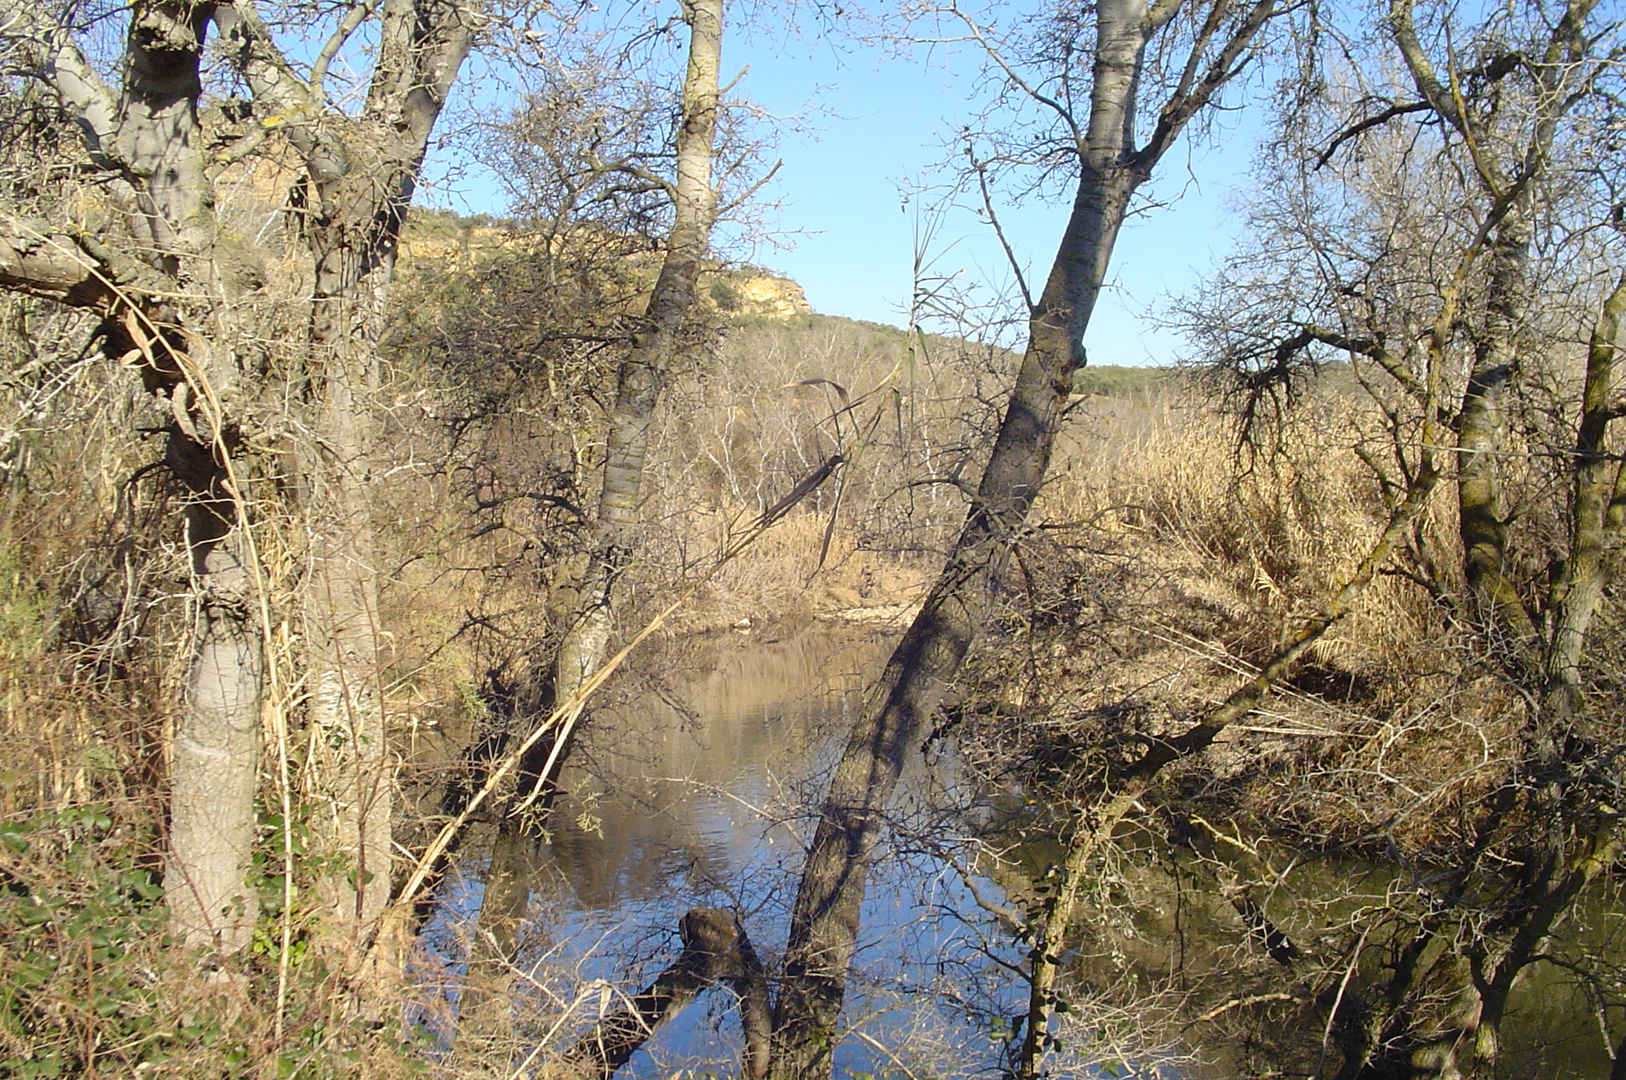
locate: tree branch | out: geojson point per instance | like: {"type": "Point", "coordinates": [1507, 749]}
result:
{"type": "Point", "coordinates": [1374, 351]}
{"type": "Point", "coordinates": [1020, 83]}
{"type": "Point", "coordinates": [358, 13]}
{"type": "Point", "coordinates": [420, 51]}
{"type": "Point", "coordinates": [999, 230]}
{"type": "Point", "coordinates": [1367, 125]}
{"type": "Point", "coordinates": [1248, 697]}
{"type": "Point", "coordinates": [1445, 101]}
{"type": "Point", "coordinates": [40, 261]}
{"type": "Point", "coordinates": [288, 102]}
{"type": "Point", "coordinates": [52, 57]}
{"type": "Point", "coordinates": [1187, 102]}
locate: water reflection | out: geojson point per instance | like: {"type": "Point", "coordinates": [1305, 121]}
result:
{"type": "Point", "coordinates": [694, 785]}
{"type": "Point", "coordinates": [693, 792]}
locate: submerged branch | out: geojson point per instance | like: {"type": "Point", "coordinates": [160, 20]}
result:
{"type": "Point", "coordinates": [715, 949]}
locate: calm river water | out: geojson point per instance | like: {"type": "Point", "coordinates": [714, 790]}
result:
{"type": "Point", "coordinates": [693, 790]}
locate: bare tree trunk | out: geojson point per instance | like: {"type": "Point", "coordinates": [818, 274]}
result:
{"type": "Point", "coordinates": [643, 373]}
{"type": "Point", "coordinates": [588, 594]}
{"type": "Point", "coordinates": [214, 773]}
{"type": "Point", "coordinates": [1481, 508]}
{"type": "Point", "coordinates": [214, 770]}
{"type": "Point", "coordinates": [359, 178]}
{"type": "Point", "coordinates": [1599, 505]}
{"type": "Point", "coordinates": [1510, 191]}
{"type": "Point", "coordinates": [167, 300]}
{"type": "Point", "coordinates": [341, 608]}
{"type": "Point", "coordinates": [153, 142]}
{"type": "Point", "coordinates": [1557, 853]}
{"type": "Point", "coordinates": [824, 922]}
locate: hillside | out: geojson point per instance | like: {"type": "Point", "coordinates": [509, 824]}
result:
{"type": "Point", "coordinates": [754, 302]}
{"type": "Point", "coordinates": [442, 243]}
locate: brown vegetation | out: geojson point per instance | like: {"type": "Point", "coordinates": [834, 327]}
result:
{"type": "Point", "coordinates": [1329, 652]}
{"type": "Point", "coordinates": [1163, 573]}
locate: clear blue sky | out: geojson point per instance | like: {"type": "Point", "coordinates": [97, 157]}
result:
{"type": "Point", "coordinates": [867, 125]}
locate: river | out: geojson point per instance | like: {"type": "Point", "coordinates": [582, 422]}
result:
{"type": "Point", "coordinates": [692, 788]}
{"type": "Point", "coordinates": [693, 791]}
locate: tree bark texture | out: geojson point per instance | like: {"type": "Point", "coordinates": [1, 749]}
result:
{"type": "Point", "coordinates": [162, 302]}
{"type": "Point", "coordinates": [825, 920]}
{"type": "Point", "coordinates": [359, 177]}
{"type": "Point", "coordinates": [214, 772]}
{"type": "Point", "coordinates": [1481, 436]}
{"type": "Point", "coordinates": [643, 374]}
{"type": "Point", "coordinates": [1598, 502]}
{"type": "Point", "coordinates": [341, 611]}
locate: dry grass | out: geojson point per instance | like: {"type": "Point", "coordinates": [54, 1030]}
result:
{"type": "Point", "coordinates": [1170, 564]}
{"type": "Point", "coordinates": [95, 632]}
{"type": "Point", "coordinates": [1166, 568]}
{"type": "Point", "coordinates": [1257, 537]}
{"type": "Point", "coordinates": [792, 574]}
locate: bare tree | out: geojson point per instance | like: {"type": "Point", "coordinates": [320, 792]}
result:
{"type": "Point", "coordinates": [644, 371]}
{"type": "Point", "coordinates": [1092, 70]}
{"type": "Point", "coordinates": [170, 283]}
{"type": "Point", "coordinates": [1450, 234]}
{"type": "Point", "coordinates": [584, 593]}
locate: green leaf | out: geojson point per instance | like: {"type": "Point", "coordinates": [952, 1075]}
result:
{"type": "Point", "coordinates": [14, 837]}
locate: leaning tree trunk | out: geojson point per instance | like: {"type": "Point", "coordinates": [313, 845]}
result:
{"type": "Point", "coordinates": [587, 596]}
{"type": "Point", "coordinates": [824, 922]}
{"type": "Point", "coordinates": [643, 373]}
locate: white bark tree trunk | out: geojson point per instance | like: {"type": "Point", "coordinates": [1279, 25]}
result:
{"type": "Point", "coordinates": [214, 772]}
{"type": "Point", "coordinates": [356, 776]}
{"type": "Point", "coordinates": [164, 302]}
{"type": "Point", "coordinates": [168, 304]}
{"type": "Point", "coordinates": [643, 373]}
{"type": "Point", "coordinates": [824, 923]}
{"type": "Point", "coordinates": [360, 175]}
